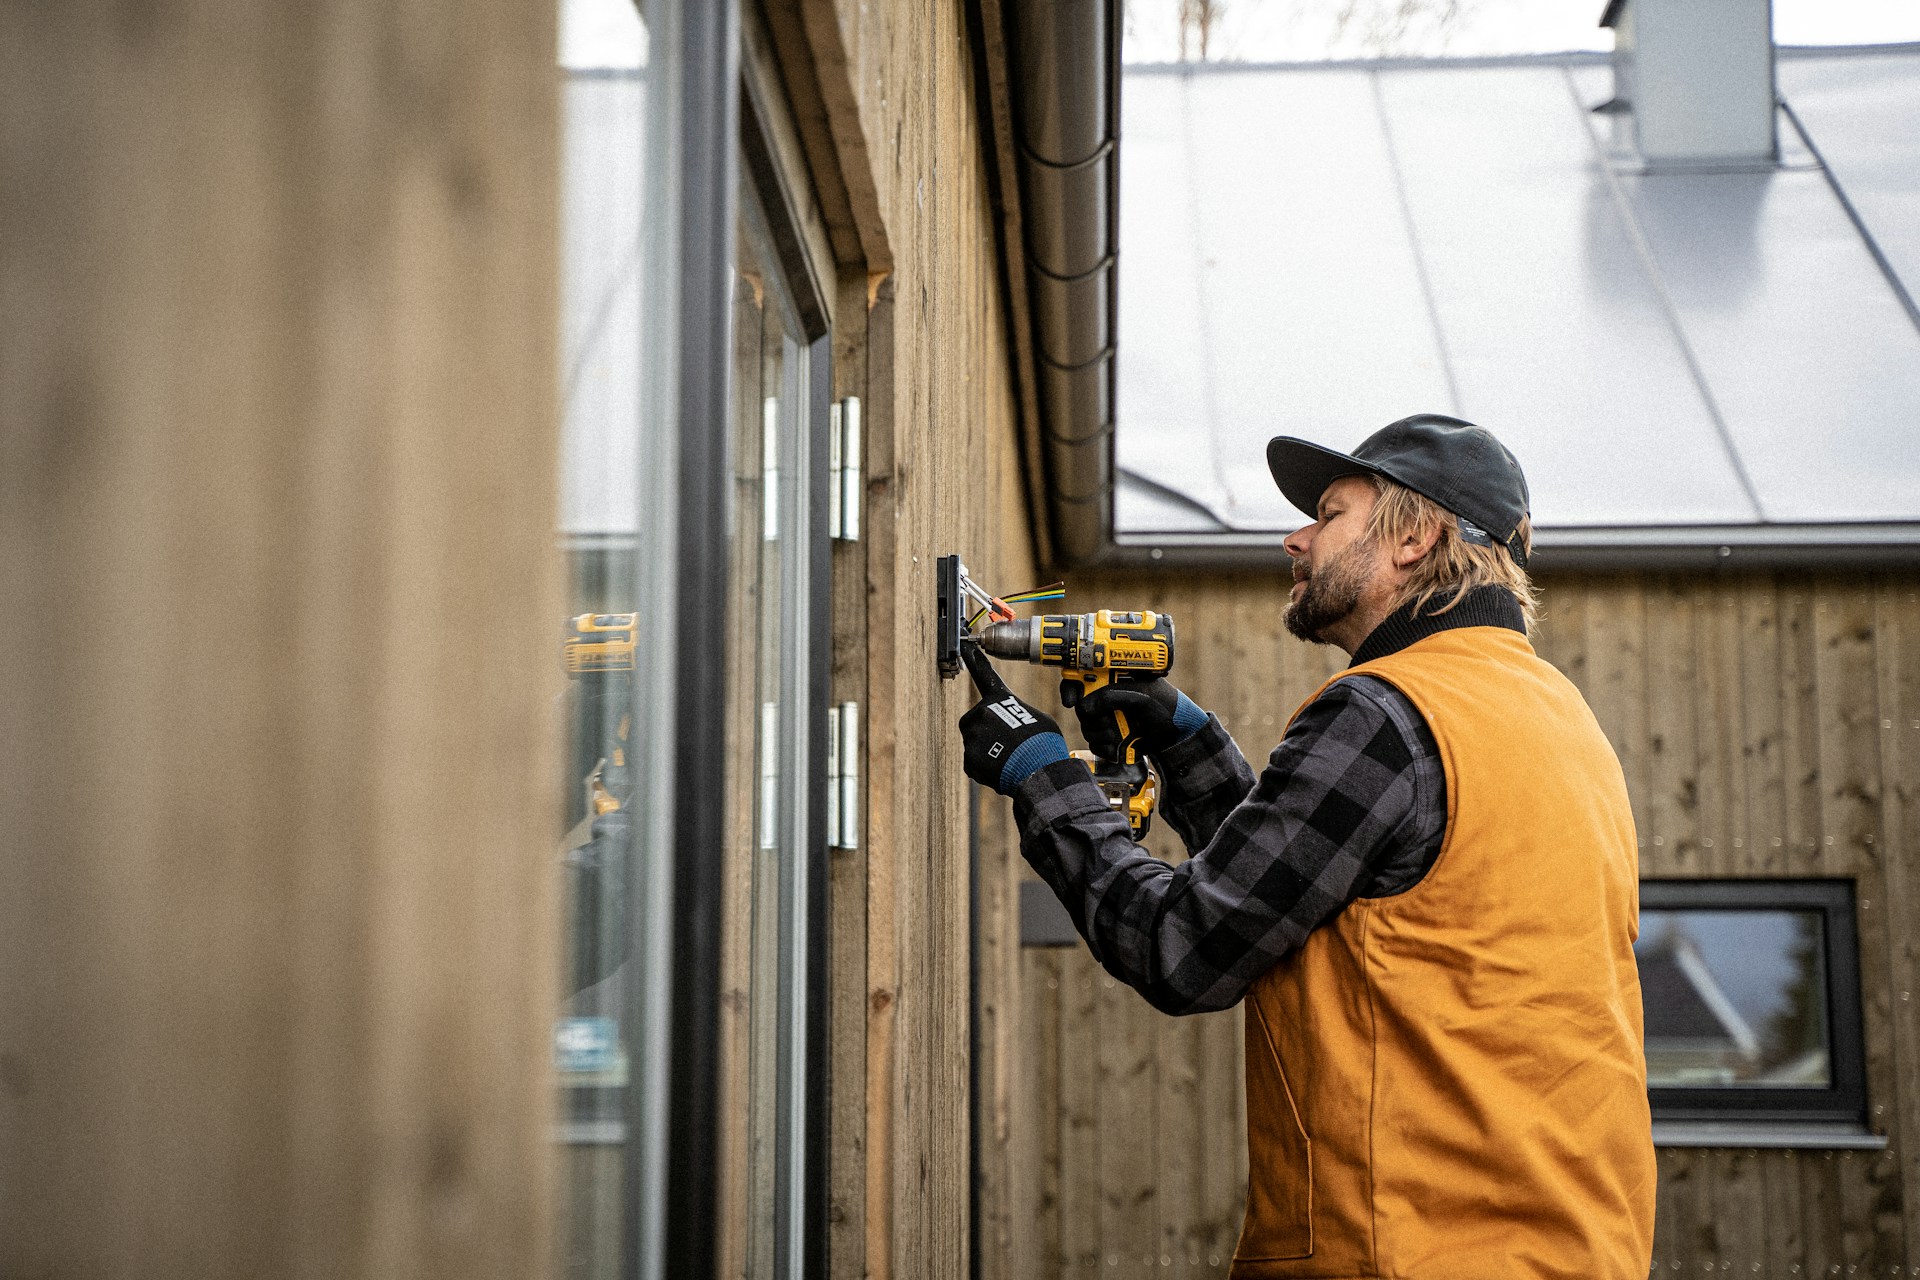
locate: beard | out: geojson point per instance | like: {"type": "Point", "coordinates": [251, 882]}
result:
{"type": "Point", "coordinates": [1332, 594]}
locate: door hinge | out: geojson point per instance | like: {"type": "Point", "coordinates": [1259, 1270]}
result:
{"type": "Point", "coordinates": [843, 776]}
{"type": "Point", "coordinates": [843, 460]}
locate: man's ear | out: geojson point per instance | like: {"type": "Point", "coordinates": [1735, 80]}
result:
{"type": "Point", "coordinates": [1414, 547]}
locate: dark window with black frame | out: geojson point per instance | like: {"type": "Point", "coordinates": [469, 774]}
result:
{"type": "Point", "coordinates": [1751, 991]}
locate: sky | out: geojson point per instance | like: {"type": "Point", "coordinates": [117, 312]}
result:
{"type": "Point", "coordinates": [1315, 30]}
{"type": "Point", "coordinates": [597, 34]}
{"type": "Point", "coordinates": [607, 33]}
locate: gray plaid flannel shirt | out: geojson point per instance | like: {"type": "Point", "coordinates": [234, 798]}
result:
{"type": "Point", "coordinates": [1352, 804]}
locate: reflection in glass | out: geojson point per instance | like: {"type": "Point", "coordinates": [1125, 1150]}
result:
{"type": "Point", "coordinates": [1734, 999]}
{"type": "Point", "coordinates": [603, 53]}
{"type": "Point", "coordinates": [770, 707]}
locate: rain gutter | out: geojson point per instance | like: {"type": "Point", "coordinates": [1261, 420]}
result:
{"type": "Point", "coordinates": [1824, 547]}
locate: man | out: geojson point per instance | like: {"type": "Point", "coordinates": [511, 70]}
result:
{"type": "Point", "coordinates": [1427, 901]}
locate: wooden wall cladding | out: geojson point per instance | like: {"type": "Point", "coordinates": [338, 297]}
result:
{"type": "Point", "coordinates": [278, 760]}
{"type": "Point", "coordinates": [1769, 725]}
{"type": "Point", "coordinates": [887, 116]}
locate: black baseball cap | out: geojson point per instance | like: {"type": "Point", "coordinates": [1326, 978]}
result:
{"type": "Point", "coordinates": [1458, 465]}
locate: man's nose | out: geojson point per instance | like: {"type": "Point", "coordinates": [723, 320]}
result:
{"type": "Point", "coordinates": [1298, 542]}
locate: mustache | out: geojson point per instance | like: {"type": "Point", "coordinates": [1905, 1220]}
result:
{"type": "Point", "coordinates": [1300, 571]}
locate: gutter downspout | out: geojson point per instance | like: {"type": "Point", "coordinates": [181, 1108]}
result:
{"type": "Point", "coordinates": [1064, 72]}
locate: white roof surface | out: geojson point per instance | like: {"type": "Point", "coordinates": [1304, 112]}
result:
{"type": "Point", "coordinates": [1316, 251]}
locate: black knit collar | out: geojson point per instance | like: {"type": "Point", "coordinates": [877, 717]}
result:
{"type": "Point", "coordinates": [1487, 606]}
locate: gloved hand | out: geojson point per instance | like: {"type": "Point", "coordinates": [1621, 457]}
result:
{"type": "Point", "coordinates": [1006, 739]}
{"type": "Point", "coordinates": [1158, 715]}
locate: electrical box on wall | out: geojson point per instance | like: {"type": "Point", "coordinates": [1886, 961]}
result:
{"type": "Point", "coordinates": [950, 609]}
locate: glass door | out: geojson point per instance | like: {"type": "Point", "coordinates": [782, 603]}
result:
{"type": "Point", "coordinates": [603, 536]}
{"type": "Point", "coordinates": [777, 872]}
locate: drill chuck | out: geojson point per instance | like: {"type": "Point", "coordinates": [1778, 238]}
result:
{"type": "Point", "coordinates": [1019, 641]}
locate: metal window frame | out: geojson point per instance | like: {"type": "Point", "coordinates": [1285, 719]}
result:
{"type": "Point", "coordinates": [801, 1196]}
{"type": "Point", "coordinates": [670, 1192]}
{"type": "Point", "coordinates": [1845, 1101]}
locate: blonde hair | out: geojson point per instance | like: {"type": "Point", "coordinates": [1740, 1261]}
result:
{"type": "Point", "coordinates": [1454, 565]}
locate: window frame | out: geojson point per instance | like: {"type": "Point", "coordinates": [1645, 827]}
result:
{"type": "Point", "coordinates": [1844, 1101]}
{"type": "Point", "coordinates": [772, 215]}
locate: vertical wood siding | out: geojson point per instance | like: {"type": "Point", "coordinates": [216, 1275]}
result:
{"type": "Point", "coordinates": [1769, 725]}
{"type": "Point", "coordinates": [885, 93]}
{"type": "Point", "coordinates": [277, 746]}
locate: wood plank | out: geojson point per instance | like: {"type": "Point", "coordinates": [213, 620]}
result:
{"type": "Point", "coordinates": [1897, 678]}
{"type": "Point", "coordinates": [1129, 1204]}
{"type": "Point", "coordinates": [1848, 732]}
{"type": "Point", "coordinates": [1821, 1225]}
{"type": "Point", "coordinates": [1781, 1228]}
{"type": "Point", "coordinates": [1720, 726]}
{"type": "Point", "coordinates": [1178, 1158]}
{"type": "Point", "coordinates": [743, 772]}
{"type": "Point", "coordinates": [883, 783]}
{"type": "Point", "coordinates": [1560, 637]}
{"type": "Point", "coordinates": [1800, 712]}
{"type": "Point", "coordinates": [1616, 659]}
{"type": "Point", "coordinates": [848, 873]}
{"type": "Point", "coordinates": [1739, 1205]}
{"type": "Point", "coordinates": [1080, 1116]}
{"type": "Point", "coordinates": [1673, 740]}
{"type": "Point", "coordinates": [1850, 739]}
{"type": "Point", "coordinates": [997, 998]}
{"type": "Point", "coordinates": [1035, 1146]}
{"type": "Point", "coordinates": [1762, 847]}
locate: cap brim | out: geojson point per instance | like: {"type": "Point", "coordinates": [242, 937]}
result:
{"type": "Point", "coordinates": [1303, 470]}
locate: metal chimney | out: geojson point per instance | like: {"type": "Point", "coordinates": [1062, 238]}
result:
{"type": "Point", "coordinates": [1697, 76]}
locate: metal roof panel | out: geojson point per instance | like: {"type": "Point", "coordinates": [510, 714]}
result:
{"type": "Point", "coordinates": [1316, 253]}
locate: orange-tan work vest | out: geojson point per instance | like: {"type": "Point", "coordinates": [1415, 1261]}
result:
{"type": "Point", "coordinates": [1450, 1082]}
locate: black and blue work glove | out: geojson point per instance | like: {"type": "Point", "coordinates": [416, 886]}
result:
{"type": "Point", "coordinates": [1006, 739]}
{"type": "Point", "coordinates": [1157, 715]}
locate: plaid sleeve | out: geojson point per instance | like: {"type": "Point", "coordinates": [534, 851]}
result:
{"type": "Point", "coordinates": [1203, 778]}
{"type": "Point", "coordinates": [1356, 781]}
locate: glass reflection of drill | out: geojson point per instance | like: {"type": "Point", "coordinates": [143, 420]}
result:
{"type": "Point", "coordinates": [1094, 650]}
{"type": "Point", "coordinates": [600, 659]}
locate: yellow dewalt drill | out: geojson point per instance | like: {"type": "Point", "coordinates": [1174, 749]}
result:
{"type": "Point", "coordinates": [1093, 650]}
{"type": "Point", "coordinates": [603, 644]}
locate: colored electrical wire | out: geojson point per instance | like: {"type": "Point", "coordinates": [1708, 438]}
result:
{"type": "Point", "coordinates": [999, 606]}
